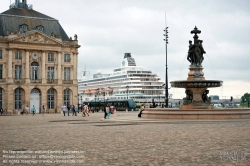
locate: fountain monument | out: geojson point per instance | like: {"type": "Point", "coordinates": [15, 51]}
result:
{"type": "Point", "coordinates": [196, 104]}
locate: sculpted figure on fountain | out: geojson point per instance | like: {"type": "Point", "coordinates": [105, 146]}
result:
{"type": "Point", "coordinates": [196, 50]}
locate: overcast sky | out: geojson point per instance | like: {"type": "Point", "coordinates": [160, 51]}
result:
{"type": "Point", "coordinates": [107, 29]}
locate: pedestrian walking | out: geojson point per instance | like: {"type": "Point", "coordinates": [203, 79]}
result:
{"type": "Point", "coordinates": [1, 110]}
{"type": "Point", "coordinates": [83, 110]}
{"type": "Point", "coordinates": [68, 108]}
{"type": "Point", "coordinates": [71, 109]}
{"type": "Point", "coordinates": [106, 112]}
{"type": "Point", "coordinates": [142, 109]}
{"type": "Point", "coordinates": [86, 110]}
{"type": "Point", "coordinates": [43, 110]}
{"type": "Point", "coordinates": [64, 108]}
{"type": "Point", "coordinates": [33, 110]}
{"type": "Point", "coordinates": [27, 109]}
{"type": "Point", "coordinates": [109, 112]}
{"type": "Point", "coordinates": [74, 110]}
{"type": "Point", "coordinates": [112, 109]}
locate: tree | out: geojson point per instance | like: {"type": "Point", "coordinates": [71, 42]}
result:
{"type": "Point", "coordinates": [245, 99]}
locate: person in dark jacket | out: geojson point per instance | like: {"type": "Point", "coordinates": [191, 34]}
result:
{"type": "Point", "coordinates": [68, 108]}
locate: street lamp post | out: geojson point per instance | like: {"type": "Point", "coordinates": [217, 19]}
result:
{"type": "Point", "coordinates": [127, 87]}
{"type": "Point", "coordinates": [166, 81]}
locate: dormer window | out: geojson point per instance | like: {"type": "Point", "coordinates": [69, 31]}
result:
{"type": "Point", "coordinates": [23, 28]}
{"type": "Point", "coordinates": [40, 28]}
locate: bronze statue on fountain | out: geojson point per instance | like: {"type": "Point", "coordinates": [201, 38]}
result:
{"type": "Point", "coordinates": [196, 85]}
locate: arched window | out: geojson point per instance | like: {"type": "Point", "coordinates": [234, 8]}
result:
{"type": "Point", "coordinates": [40, 28]}
{"type": "Point", "coordinates": [1, 98]}
{"type": "Point", "coordinates": [51, 98]}
{"type": "Point", "coordinates": [18, 98]}
{"type": "Point", "coordinates": [67, 96]}
{"type": "Point", "coordinates": [34, 71]}
{"type": "Point", "coordinates": [23, 28]}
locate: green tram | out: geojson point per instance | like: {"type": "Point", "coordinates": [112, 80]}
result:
{"type": "Point", "coordinates": [120, 105]}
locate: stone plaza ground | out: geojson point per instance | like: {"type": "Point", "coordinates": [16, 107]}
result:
{"type": "Point", "coordinates": [122, 140]}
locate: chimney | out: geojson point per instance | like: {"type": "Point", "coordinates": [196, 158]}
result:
{"type": "Point", "coordinates": [20, 4]}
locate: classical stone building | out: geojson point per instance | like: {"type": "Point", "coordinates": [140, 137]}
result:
{"type": "Point", "coordinates": [38, 61]}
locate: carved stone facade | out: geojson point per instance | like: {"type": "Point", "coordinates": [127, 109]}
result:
{"type": "Point", "coordinates": [37, 69]}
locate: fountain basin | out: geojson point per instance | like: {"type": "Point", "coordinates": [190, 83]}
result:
{"type": "Point", "coordinates": [211, 114]}
{"type": "Point", "coordinates": [196, 84]}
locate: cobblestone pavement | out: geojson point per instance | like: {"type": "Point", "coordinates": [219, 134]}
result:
{"type": "Point", "coordinates": [92, 141]}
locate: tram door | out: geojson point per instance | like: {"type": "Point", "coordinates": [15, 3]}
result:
{"type": "Point", "coordinates": [35, 100]}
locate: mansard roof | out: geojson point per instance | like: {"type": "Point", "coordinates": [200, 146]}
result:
{"type": "Point", "coordinates": [25, 13]}
{"type": "Point", "coordinates": [11, 20]}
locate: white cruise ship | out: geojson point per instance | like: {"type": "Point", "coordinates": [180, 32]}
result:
{"type": "Point", "coordinates": [127, 82]}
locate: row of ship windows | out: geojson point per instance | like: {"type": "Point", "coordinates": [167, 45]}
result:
{"type": "Point", "coordinates": [102, 79]}
{"type": "Point", "coordinates": [112, 78]}
{"type": "Point", "coordinates": [51, 57]}
{"type": "Point", "coordinates": [24, 28]}
{"type": "Point", "coordinates": [119, 82]}
{"type": "Point", "coordinates": [143, 72]}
